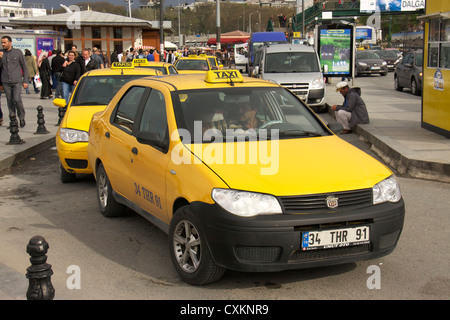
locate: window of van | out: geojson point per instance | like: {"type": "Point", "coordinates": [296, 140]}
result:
{"type": "Point", "coordinates": [287, 62]}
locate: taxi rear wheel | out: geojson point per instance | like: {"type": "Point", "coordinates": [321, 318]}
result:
{"type": "Point", "coordinates": [189, 251]}
{"type": "Point", "coordinates": [109, 207]}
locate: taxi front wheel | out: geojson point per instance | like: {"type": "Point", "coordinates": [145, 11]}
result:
{"type": "Point", "coordinates": [189, 251]}
{"type": "Point", "coordinates": [109, 207]}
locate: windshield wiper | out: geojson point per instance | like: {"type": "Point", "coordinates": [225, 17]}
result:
{"type": "Point", "coordinates": [300, 133]}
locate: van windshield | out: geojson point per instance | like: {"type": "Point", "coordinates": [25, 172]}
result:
{"type": "Point", "coordinates": [222, 114]}
{"type": "Point", "coordinates": [287, 62]}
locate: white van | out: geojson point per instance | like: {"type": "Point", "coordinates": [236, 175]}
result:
{"type": "Point", "coordinates": [295, 67]}
{"type": "Point", "coordinates": [241, 57]}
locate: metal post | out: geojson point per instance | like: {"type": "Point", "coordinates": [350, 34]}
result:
{"type": "Point", "coordinates": [218, 45]}
{"type": "Point", "coordinates": [161, 31]}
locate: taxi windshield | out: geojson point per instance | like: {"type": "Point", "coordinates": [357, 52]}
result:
{"type": "Point", "coordinates": [192, 64]}
{"type": "Point", "coordinates": [259, 113]}
{"type": "Point", "coordinates": [99, 90]}
{"type": "Point", "coordinates": [291, 62]}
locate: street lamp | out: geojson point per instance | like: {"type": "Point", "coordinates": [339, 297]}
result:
{"type": "Point", "coordinates": [250, 20]}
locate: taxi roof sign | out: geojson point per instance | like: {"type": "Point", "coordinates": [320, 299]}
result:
{"type": "Point", "coordinates": [224, 76]}
{"type": "Point", "coordinates": [122, 65]}
{"type": "Point", "coordinates": [140, 62]}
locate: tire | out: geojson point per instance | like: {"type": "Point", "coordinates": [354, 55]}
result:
{"type": "Point", "coordinates": [66, 177]}
{"type": "Point", "coordinates": [189, 250]}
{"type": "Point", "coordinates": [397, 85]}
{"type": "Point", "coordinates": [109, 207]}
{"type": "Point", "coordinates": [383, 74]}
{"type": "Point", "coordinates": [414, 88]}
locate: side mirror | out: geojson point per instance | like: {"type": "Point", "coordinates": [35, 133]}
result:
{"type": "Point", "coordinates": [60, 103]}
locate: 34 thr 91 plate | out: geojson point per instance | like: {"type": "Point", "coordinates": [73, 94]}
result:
{"type": "Point", "coordinates": [335, 238]}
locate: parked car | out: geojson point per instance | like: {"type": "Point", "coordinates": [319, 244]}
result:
{"type": "Point", "coordinates": [368, 62]}
{"type": "Point", "coordinates": [391, 58]}
{"type": "Point", "coordinates": [409, 72]}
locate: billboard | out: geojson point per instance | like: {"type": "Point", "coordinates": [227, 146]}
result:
{"type": "Point", "coordinates": [391, 5]}
{"type": "Point", "coordinates": [335, 45]}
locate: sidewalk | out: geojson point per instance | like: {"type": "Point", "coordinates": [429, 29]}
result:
{"type": "Point", "coordinates": [394, 132]}
{"type": "Point", "coordinates": [34, 143]}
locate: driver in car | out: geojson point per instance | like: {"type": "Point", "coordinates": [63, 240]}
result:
{"type": "Point", "coordinates": [247, 118]}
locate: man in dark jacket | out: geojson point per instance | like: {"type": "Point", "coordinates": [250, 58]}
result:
{"type": "Point", "coordinates": [86, 62]}
{"type": "Point", "coordinates": [353, 111]}
{"type": "Point", "coordinates": [57, 68]}
{"type": "Point", "coordinates": [13, 76]}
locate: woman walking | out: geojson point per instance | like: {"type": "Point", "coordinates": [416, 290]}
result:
{"type": "Point", "coordinates": [32, 70]}
{"type": "Point", "coordinates": [45, 74]}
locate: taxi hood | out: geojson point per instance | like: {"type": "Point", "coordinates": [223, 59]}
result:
{"type": "Point", "coordinates": [292, 167]}
{"type": "Point", "coordinates": [79, 117]}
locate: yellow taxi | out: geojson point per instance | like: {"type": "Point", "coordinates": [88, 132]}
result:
{"type": "Point", "coordinates": [93, 92]}
{"type": "Point", "coordinates": [164, 67]}
{"type": "Point", "coordinates": [237, 172]}
{"type": "Point", "coordinates": [196, 64]}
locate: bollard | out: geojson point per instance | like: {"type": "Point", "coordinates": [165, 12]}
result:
{"type": "Point", "coordinates": [61, 113]}
{"type": "Point", "coordinates": [41, 129]}
{"type": "Point", "coordinates": [14, 129]}
{"type": "Point", "coordinates": [39, 273]}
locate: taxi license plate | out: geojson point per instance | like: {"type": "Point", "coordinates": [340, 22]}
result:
{"type": "Point", "coordinates": [335, 238]}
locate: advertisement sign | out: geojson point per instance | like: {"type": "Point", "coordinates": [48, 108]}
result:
{"type": "Point", "coordinates": [45, 44]}
{"type": "Point", "coordinates": [24, 43]}
{"type": "Point", "coordinates": [363, 33]}
{"type": "Point", "coordinates": [391, 5]}
{"type": "Point", "coordinates": [335, 45]}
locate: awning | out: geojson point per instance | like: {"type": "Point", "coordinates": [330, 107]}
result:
{"type": "Point", "coordinates": [228, 40]}
{"type": "Point", "coordinates": [435, 15]}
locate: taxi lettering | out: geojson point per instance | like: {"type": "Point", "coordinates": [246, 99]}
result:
{"type": "Point", "coordinates": [226, 74]}
{"type": "Point", "coordinates": [147, 195]}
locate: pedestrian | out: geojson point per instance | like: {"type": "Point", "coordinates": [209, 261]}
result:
{"type": "Point", "coordinates": [270, 24]}
{"type": "Point", "coordinates": [71, 74]}
{"type": "Point", "coordinates": [1, 112]}
{"type": "Point", "coordinates": [13, 76]}
{"type": "Point", "coordinates": [353, 111]}
{"type": "Point", "coordinates": [150, 56]}
{"type": "Point", "coordinates": [57, 68]}
{"type": "Point", "coordinates": [87, 63]}
{"type": "Point", "coordinates": [32, 70]}
{"type": "Point", "coordinates": [114, 56]}
{"type": "Point", "coordinates": [51, 55]}
{"type": "Point", "coordinates": [97, 57]}
{"type": "Point", "coordinates": [170, 57]}
{"type": "Point", "coordinates": [45, 73]}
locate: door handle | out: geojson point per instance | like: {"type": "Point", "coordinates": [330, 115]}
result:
{"type": "Point", "coordinates": [134, 151]}
{"type": "Point", "coordinates": [107, 134]}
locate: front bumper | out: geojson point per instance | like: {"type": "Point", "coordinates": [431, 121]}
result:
{"type": "Point", "coordinates": [73, 156]}
{"type": "Point", "coordinates": [272, 243]}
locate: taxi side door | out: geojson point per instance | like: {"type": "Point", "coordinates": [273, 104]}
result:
{"type": "Point", "coordinates": [151, 157]}
{"type": "Point", "coordinates": [118, 145]}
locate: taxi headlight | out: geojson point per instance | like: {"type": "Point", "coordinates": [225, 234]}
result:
{"type": "Point", "coordinates": [317, 83]}
{"type": "Point", "coordinates": [246, 204]}
{"type": "Point", "coordinates": [72, 135]}
{"type": "Point", "coordinates": [386, 190]}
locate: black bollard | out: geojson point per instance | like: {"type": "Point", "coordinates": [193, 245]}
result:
{"type": "Point", "coordinates": [41, 129]}
{"type": "Point", "coordinates": [61, 113]}
{"type": "Point", "coordinates": [39, 273]}
{"type": "Point", "coordinates": [14, 129]}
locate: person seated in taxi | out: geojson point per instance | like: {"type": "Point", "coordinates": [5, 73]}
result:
{"type": "Point", "coordinates": [247, 118]}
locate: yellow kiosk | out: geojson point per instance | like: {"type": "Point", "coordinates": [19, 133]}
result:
{"type": "Point", "coordinates": [436, 67]}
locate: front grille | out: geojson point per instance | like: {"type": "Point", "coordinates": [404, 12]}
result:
{"type": "Point", "coordinates": [321, 254]}
{"type": "Point", "coordinates": [300, 89]}
{"type": "Point", "coordinates": [258, 254]}
{"type": "Point", "coordinates": [317, 202]}
{"type": "Point", "coordinates": [77, 164]}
